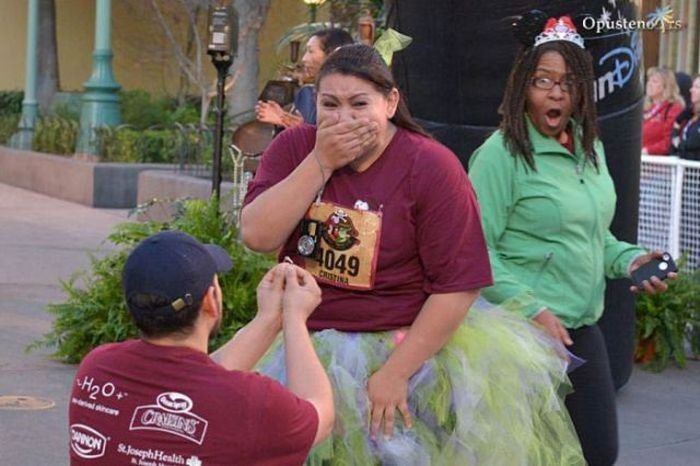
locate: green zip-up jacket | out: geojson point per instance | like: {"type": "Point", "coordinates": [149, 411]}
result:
{"type": "Point", "coordinates": [548, 230]}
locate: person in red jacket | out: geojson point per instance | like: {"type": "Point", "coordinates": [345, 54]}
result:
{"type": "Point", "coordinates": [662, 105]}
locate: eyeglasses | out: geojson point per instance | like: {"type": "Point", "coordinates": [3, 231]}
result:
{"type": "Point", "coordinates": [547, 84]}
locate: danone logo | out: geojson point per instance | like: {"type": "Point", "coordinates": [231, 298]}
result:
{"type": "Point", "coordinates": [86, 442]}
{"type": "Point", "coordinates": [171, 414]}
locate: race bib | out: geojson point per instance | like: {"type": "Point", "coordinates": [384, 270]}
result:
{"type": "Point", "coordinates": [341, 245]}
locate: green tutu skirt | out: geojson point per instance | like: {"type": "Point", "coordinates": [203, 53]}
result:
{"type": "Point", "coordinates": [492, 396]}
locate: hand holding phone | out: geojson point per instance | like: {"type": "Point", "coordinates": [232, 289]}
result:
{"type": "Point", "coordinates": [659, 267]}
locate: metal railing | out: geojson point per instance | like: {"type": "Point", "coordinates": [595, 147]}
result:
{"type": "Point", "coordinates": [669, 207]}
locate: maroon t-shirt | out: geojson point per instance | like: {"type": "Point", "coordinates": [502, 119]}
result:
{"type": "Point", "coordinates": [431, 238]}
{"type": "Point", "coordinates": [142, 404]}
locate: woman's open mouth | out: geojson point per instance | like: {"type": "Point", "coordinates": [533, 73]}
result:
{"type": "Point", "coordinates": [553, 117]}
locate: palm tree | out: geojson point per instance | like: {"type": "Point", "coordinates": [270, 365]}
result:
{"type": "Point", "coordinates": [47, 76]}
{"type": "Point", "coordinates": [251, 14]}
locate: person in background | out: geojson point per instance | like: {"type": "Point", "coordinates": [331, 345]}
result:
{"type": "Point", "coordinates": [547, 201]}
{"type": "Point", "coordinates": [686, 144]}
{"type": "Point", "coordinates": [662, 105]}
{"type": "Point", "coordinates": [685, 81]}
{"type": "Point", "coordinates": [318, 47]}
{"type": "Point", "coordinates": [162, 399]}
{"type": "Point", "coordinates": [686, 129]}
{"type": "Point", "coordinates": [385, 219]}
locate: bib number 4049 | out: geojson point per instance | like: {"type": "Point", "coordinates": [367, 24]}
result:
{"type": "Point", "coordinates": [337, 261]}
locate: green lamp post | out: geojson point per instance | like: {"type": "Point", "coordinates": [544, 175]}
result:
{"type": "Point", "coordinates": [313, 6]}
{"type": "Point", "coordinates": [22, 139]}
{"type": "Point", "coordinates": [100, 102]}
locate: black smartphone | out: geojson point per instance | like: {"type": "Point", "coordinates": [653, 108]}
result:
{"type": "Point", "coordinates": [659, 267]}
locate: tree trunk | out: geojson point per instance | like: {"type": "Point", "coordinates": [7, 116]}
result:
{"type": "Point", "coordinates": [192, 42]}
{"type": "Point", "coordinates": [244, 93]}
{"type": "Point", "coordinates": [47, 76]}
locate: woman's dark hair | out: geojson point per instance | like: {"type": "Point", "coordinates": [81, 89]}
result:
{"type": "Point", "coordinates": [513, 107]}
{"type": "Point", "coordinates": [365, 63]}
{"type": "Point", "coordinates": [331, 39]}
{"type": "Point", "coordinates": [684, 81]}
{"type": "Point", "coordinates": [695, 107]}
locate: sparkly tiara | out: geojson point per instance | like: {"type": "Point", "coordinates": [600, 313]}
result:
{"type": "Point", "coordinates": [559, 29]}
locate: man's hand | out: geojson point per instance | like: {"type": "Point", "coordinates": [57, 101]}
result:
{"type": "Point", "coordinates": [290, 120]}
{"type": "Point", "coordinates": [301, 293]}
{"type": "Point", "coordinates": [553, 326]}
{"type": "Point", "coordinates": [339, 143]}
{"type": "Point", "coordinates": [269, 112]}
{"type": "Point", "coordinates": [306, 377]}
{"type": "Point", "coordinates": [655, 284]}
{"type": "Point", "coordinates": [248, 345]}
{"type": "Point", "coordinates": [269, 293]}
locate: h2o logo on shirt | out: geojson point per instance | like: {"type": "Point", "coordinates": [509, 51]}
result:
{"type": "Point", "coordinates": [86, 442]}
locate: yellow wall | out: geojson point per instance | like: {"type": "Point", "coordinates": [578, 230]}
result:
{"type": "Point", "coordinates": [141, 54]}
{"type": "Point", "coordinates": [13, 40]}
{"type": "Point", "coordinates": [282, 16]}
{"type": "Point", "coordinates": [75, 36]}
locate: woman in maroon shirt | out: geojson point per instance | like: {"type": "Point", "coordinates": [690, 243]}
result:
{"type": "Point", "coordinates": [386, 220]}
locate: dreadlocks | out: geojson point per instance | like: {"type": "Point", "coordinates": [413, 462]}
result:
{"type": "Point", "coordinates": [513, 111]}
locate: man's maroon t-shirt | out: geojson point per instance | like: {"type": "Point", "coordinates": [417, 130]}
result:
{"type": "Point", "coordinates": [431, 236]}
{"type": "Point", "coordinates": [135, 403]}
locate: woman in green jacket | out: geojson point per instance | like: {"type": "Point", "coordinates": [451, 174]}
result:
{"type": "Point", "coordinates": [547, 201]}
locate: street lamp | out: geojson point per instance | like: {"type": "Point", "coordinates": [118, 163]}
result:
{"type": "Point", "coordinates": [222, 46]}
{"type": "Point", "coordinates": [313, 5]}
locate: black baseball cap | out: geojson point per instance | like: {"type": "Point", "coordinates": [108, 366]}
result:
{"type": "Point", "coordinates": [172, 267]}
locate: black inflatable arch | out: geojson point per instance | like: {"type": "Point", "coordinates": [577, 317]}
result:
{"type": "Point", "coordinates": [454, 73]}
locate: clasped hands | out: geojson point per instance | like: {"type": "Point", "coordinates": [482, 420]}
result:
{"type": "Point", "coordinates": [287, 290]}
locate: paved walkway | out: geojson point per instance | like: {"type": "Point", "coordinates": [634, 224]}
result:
{"type": "Point", "coordinates": [43, 240]}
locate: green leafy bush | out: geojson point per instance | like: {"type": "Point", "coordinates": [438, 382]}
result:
{"type": "Point", "coordinates": [10, 111]}
{"type": "Point", "coordinates": [129, 145]}
{"type": "Point", "coordinates": [186, 114]}
{"type": "Point", "coordinates": [667, 323]}
{"type": "Point", "coordinates": [66, 110]}
{"type": "Point", "coordinates": [158, 145]}
{"type": "Point", "coordinates": [140, 110]}
{"type": "Point", "coordinates": [56, 135]}
{"type": "Point", "coordinates": [11, 102]}
{"type": "Point", "coordinates": [95, 313]}
{"type": "Point", "coordinates": [149, 133]}
{"type": "Point", "coordinates": [8, 127]}
{"type": "Point", "coordinates": [66, 105]}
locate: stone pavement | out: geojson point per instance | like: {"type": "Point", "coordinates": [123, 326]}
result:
{"type": "Point", "coordinates": [43, 240]}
